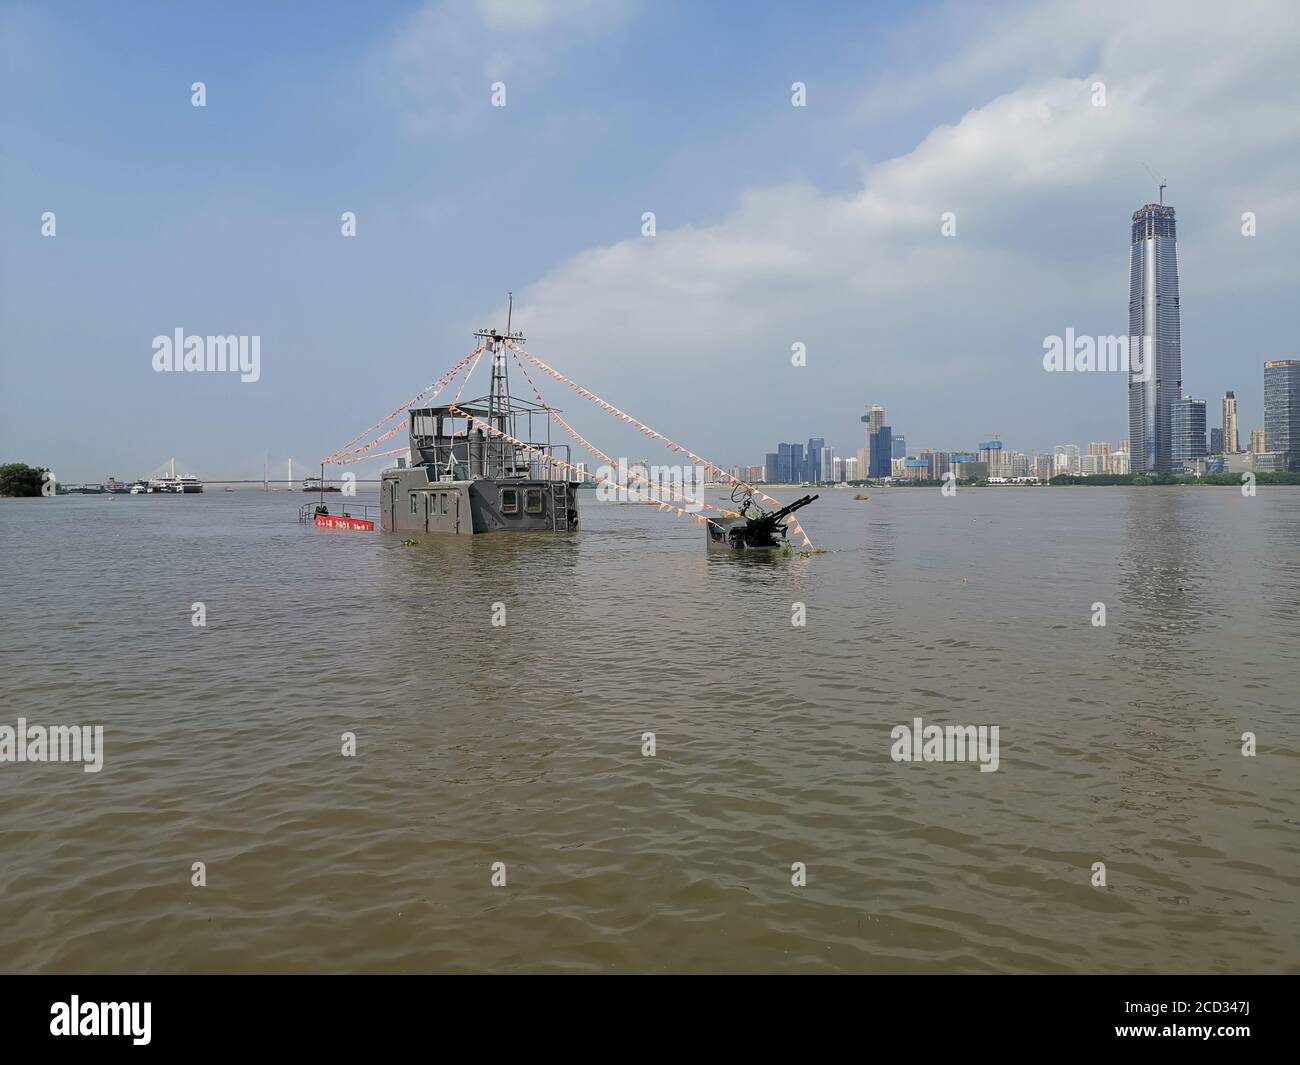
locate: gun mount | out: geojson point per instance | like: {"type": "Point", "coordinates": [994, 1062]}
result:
{"type": "Point", "coordinates": [755, 529]}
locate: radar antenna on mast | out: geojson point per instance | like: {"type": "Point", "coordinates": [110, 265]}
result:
{"type": "Point", "coordinates": [499, 402]}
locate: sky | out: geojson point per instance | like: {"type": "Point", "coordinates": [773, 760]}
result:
{"type": "Point", "coordinates": [775, 225]}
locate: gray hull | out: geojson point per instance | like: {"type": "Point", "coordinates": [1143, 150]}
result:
{"type": "Point", "coordinates": [409, 502]}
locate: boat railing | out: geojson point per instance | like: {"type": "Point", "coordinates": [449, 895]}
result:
{"type": "Point", "coordinates": [499, 459]}
{"type": "Point", "coordinates": [369, 511]}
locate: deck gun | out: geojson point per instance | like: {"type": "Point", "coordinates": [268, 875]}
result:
{"type": "Point", "coordinates": [760, 528]}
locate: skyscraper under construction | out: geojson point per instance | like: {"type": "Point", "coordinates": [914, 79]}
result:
{"type": "Point", "coordinates": [1154, 330]}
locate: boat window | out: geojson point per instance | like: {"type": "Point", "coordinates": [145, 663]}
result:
{"type": "Point", "coordinates": [442, 503]}
{"type": "Point", "coordinates": [414, 502]}
{"type": "Point", "coordinates": [509, 501]}
{"type": "Point", "coordinates": [533, 500]}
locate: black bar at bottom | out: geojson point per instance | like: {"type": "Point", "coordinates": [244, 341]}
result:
{"type": "Point", "coordinates": [1221, 1015]}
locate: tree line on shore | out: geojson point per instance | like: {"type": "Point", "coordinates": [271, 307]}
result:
{"type": "Point", "coordinates": [19, 479]}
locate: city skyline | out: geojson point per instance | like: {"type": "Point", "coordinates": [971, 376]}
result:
{"type": "Point", "coordinates": [916, 236]}
{"type": "Point", "coordinates": [1191, 434]}
{"type": "Point", "coordinates": [1170, 426]}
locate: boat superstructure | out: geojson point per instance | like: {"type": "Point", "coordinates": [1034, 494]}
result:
{"type": "Point", "coordinates": [481, 465]}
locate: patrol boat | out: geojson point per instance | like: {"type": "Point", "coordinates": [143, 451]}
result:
{"type": "Point", "coordinates": [476, 467]}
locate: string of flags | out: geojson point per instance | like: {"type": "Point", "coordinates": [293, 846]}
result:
{"type": "Point", "coordinates": [666, 507]}
{"type": "Point", "coordinates": [641, 427]}
{"type": "Point", "coordinates": [673, 493]}
{"type": "Point", "coordinates": [377, 455]}
{"type": "Point", "coordinates": [653, 434]}
{"type": "Point", "coordinates": [435, 388]}
{"type": "Point", "coordinates": [470, 373]}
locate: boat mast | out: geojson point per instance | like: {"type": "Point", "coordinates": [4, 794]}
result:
{"type": "Point", "coordinates": [499, 407]}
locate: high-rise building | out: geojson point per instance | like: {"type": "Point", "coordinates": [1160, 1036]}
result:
{"type": "Point", "coordinates": [813, 459]}
{"type": "Point", "coordinates": [969, 467]}
{"type": "Point", "coordinates": [1065, 459]}
{"type": "Point", "coordinates": [828, 464]}
{"type": "Point", "coordinates": [1216, 441]}
{"type": "Point", "coordinates": [862, 465]}
{"type": "Point", "coordinates": [915, 469]}
{"type": "Point", "coordinates": [991, 455]}
{"type": "Point", "coordinates": [1043, 467]}
{"type": "Point", "coordinates": [882, 451]}
{"type": "Point", "coordinates": [900, 448]}
{"type": "Point", "coordinates": [1154, 331]}
{"type": "Point", "coordinates": [772, 467]}
{"type": "Point", "coordinates": [789, 463]}
{"type": "Point", "coordinates": [874, 418]}
{"type": "Point", "coordinates": [851, 467]}
{"type": "Point", "coordinates": [1282, 411]}
{"type": "Point", "coordinates": [1187, 431]}
{"type": "Point", "coordinates": [1256, 441]}
{"type": "Point", "coordinates": [1118, 462]}
{"type": "Point", "coordinates": [939, 463]}
{"type": "Point", "coordinates": [1231, 445]}
{"type": "Point", "coordinates": [1099, 453]}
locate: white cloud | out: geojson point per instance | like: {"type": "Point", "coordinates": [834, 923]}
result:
{"type": "Point", "coordinates": [1041, 182]}
{"type": "Point", "coordinates": [514, 15]}
{"type": "Point", "coordinates": [444, 58]}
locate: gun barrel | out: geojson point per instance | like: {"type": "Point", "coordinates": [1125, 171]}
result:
{"type": "Point", "coordinates": [777, 515]}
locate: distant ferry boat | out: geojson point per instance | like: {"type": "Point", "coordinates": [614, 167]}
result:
{"type": "Point", "coordinates": [313, 484]}
{"type": "Point", "coordinates": [186, 484]}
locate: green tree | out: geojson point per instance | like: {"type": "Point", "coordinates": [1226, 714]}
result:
{"type": "Point", "coordinates": [19, 479]}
